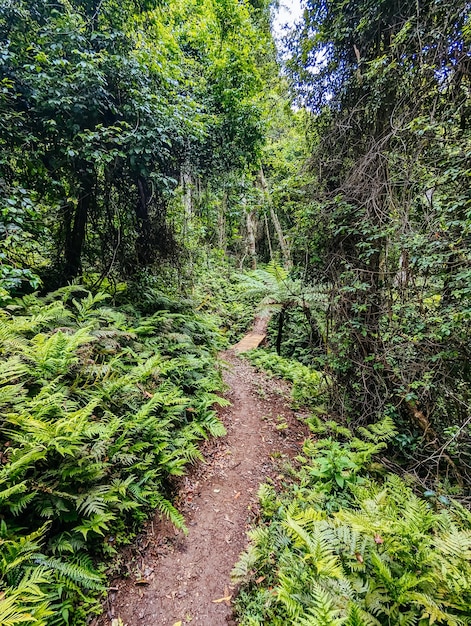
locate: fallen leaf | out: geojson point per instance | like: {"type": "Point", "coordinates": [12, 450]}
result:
{"type": "Point", "coordinates": [178, 623]}
{"type": "Point", "coordinates": [378, 539]}
{"type": "Point", "coordinates": [225, 599]}
{"type": "Point", "coordinates": [142, 581]}
{"type": "Point", "coordinates": [237, 495]}
{"type": "Point", "coordinates": [260, 579]}
{"type": "Point", "coordinates": [358, 557]}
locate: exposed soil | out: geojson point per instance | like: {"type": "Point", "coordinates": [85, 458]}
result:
{"type": "Point", "coordinates": [175, 578]}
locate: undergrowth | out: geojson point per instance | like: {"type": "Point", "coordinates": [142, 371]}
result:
{"type": "Point", "coordinates": [220, 293]}
{"type": "Point", "coordinates": [99, 406]}
{"type": "Point", "coordinates": [347, 544]}
{"type": "Point", "coordinates": [297, 340]}
{"type": "Point", "coordinates": [308, 385]}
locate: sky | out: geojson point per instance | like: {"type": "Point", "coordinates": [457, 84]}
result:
{"type": "Point", "coordinates": [289, 12]}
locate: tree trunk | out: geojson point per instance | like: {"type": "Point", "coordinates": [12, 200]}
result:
{"type": "Point", "coordinates": [279, 336]}
{"type": "Point", "coordinates": [284, 247]}
{"type": "Point", "coordinates": [186, 181]}
{"type": "Point", "coordinates": [144, 251]}
{"type": "Point", "coordinates": [222, 210]}
{"type": "Point", "coordinates": [251, 226]}
{"type": "Point", "coordinates": [76, 228]}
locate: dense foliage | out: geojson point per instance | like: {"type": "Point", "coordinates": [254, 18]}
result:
{"type": "Point", "coordinates": [100, 405]}
{"type": "Point", "coordinates": [308, 385]}
{"type": "Point", "coordinates": [150, 150]}
{"type": "Point", "coordinates": [344, 545]}
{"type": "Point", "coordinates": [104, 109]}
{"type": "Point", "coordinates": [384, 227]}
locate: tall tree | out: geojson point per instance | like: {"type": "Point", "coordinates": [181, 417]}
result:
{"type": "Point", "coordinates": [388, 86]}
{"type": "Point", "coordinates": [103, 106]}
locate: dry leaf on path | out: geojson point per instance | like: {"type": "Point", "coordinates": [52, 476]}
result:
{"type": "Point", "coordinates": [226, 599]}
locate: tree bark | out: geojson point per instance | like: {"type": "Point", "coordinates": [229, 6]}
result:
{"type": "Point", "coordinates": [186, 181]}
{"type": "Point", "coordinates": [76, 228]}
{"type": "Point", "coordinates": [144, 227]}
{"type": "Point", "coordinates": [250, 238]}
{"type": "Point", "coordinates": [222, 209]}
{"type": "Point", "coordinates": [284, 247]}
{"type": "Point", "coordinates": [279, 336]}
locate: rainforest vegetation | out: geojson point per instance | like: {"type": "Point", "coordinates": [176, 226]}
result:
{"type": "Point", "coordinates": [163, 174]}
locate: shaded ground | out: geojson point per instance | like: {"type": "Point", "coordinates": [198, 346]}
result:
{"type": "Point", "coordinates": [173, 578]}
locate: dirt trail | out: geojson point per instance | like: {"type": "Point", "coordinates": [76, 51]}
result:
{"type": "Point", "coordinates": [174, 578]}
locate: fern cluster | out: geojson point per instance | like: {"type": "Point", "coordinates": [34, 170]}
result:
{"type": "Point", "coordinates": [308, 384]}
{"type": "Point", "coordinates": [99, 406]}
{"type": "Point", "coordinates": [344, 547]}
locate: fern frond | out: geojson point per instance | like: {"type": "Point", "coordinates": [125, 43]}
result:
{"type": "Point", "coordinates": [84, 307]}
{"type": "Point", "coordinates": [456, 543]}
{"type": "Point", "coordinates": [245, 566]}
{"type": "Point", "coordinates": [358, 617]}
{"type": "Point", "coordinates": [11, 370]}
{"type": "Point", "coordinates": [384, 430]}
{"type": "Point", "coordinates": [167, 509]}
{"type": "Point", "coordinates": [213, 425]}
{"type": "Point", "coordinates": [323, 612]}
{"type": "Point", "coordinates": [26, 604]}
{"type": "Point", "coordinates": [78, 570]}
{"type": "Point", "coordinates": [319, 550]}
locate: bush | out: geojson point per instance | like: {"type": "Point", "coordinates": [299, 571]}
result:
{"type": "Point", "coordinates": [308, 384]}
{"type": "Point", "coordinates": [99, 407]}
{"type": "Point", "coordinates": [343, 546]}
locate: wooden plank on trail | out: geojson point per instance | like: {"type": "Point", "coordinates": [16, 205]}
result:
{"type": "Point", "coordinates": [255, 337]}
{"type": "Point", "coordinates": [249, 342]}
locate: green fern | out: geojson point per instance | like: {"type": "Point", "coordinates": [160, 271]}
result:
{"type": "Point", "coordinates": [27, 602]}
{"type": "Point", "coordinates": [357, 617]}
{"type": "Point", "coordinates": [322, 612]}
{"type": "Point", "coordinates": [367, 554]}
{"type": "Point", "coordinates": [98, 406]}
{"type": "Point", "coordinates": [166, 508]}
{"type": "Point", "coordinates": [384, 430]}
{"type": "Point", "coordinates": [78, 570]}
{"type": "Point", "coordinates": [84, 307]}
{"type": "Point", "coordinates": [246, 565]}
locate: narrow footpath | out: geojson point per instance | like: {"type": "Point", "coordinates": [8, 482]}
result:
{"type": "Point", "coordinates": [175, 579]}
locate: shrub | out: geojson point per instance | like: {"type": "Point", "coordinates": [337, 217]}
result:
{"type": "Point", "coordinates": [342, 546]}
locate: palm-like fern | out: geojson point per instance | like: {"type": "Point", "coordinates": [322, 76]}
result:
{"type": "Point", "coordinates": [26, 603]}
{"type": "Point", "coordinates": [277, 292]}
{"type": "Point", "coordinates": [23, 598]}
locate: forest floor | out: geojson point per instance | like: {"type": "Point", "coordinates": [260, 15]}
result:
{"type": "Point", "coordinates": [172, 579]}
